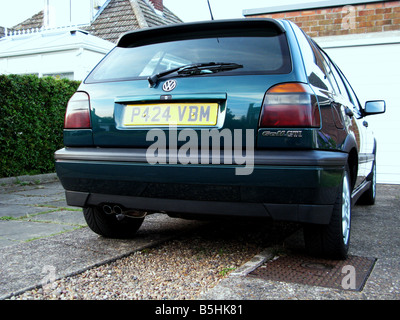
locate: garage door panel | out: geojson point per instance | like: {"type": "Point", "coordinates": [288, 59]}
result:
{"type": "Point", "coordinates": [373, 69]}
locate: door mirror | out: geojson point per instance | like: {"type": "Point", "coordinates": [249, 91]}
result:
{"type": "Point", "coordinates": [374, 107]}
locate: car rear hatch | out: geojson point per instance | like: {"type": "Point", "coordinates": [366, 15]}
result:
{"type": "Point", "coordinates": [171, 85]}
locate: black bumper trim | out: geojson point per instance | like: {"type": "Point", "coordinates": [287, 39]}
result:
{"type": "Point", "coordinates": [318, 214]}
{"type": "Point", "coordinates": [261, 157]}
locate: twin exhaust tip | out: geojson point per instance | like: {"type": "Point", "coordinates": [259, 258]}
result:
{"type": "Point", "coordinates": [121, 212]}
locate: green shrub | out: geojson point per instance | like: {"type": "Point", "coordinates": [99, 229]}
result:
{"type": "Point", "coordinates": [31, 122]}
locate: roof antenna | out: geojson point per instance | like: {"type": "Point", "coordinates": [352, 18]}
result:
{"type": "Point", "coordinates": [208, 1]}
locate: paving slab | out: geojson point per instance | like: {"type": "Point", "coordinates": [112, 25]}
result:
{"type": "Point", "coordinates": [18, 211]}
{"type": "Point", "coordinates": [22, 231]}
{"type": "Point", "coordinates": [60, 216]}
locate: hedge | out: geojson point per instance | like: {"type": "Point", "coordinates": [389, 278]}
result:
{"type": "Point", "coordinates": [31, 122]}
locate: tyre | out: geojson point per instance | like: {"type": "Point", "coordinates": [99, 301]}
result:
{"type": "Point", "coordinates": [108, 226]}
{"type": "Point", "coordinates": [368, 198]}
{"type": "Point", "coordinates": [332, 240]}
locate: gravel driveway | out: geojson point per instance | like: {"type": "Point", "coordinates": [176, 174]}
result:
{"type": "Point", "coordinates": [181, 269]}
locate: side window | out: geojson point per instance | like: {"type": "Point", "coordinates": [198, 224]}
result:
{"type": "Point", "coordinates": [344, 86]}
{"type": "Point", "coordinates": [339, 80]}
{"type": "Point", "coordinates": [331, 75]}
{"type": "Point", "coordinates": [324, 65]}
{"type": "Point", "coordinates": [352, 95]}
{"type": "Point", "coordinates": [314, 67]}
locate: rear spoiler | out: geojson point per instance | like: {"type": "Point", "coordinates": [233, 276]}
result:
{"type": "Point", "coordinates": [203, 29]}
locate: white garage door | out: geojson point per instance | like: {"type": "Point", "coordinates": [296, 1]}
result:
{"type": "Point", "coordinates": [371, 63]}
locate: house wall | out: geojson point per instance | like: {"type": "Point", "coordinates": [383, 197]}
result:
{"type": "Point", "coordinates": [68, 53]}
{"type": "Point", "coordinates": [344, 19]}
{"type": "Point", "coordinates": [76, 64]}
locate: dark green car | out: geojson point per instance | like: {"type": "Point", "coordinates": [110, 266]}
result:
{"type": "Point", "coordinates": [246, 118]}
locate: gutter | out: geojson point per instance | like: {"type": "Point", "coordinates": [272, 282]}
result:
{"type": "Point", "coordinates": [305, 6]}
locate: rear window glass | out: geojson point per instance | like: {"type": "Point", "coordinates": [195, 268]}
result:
{"type": "Point", "coordinates": [258, 55]}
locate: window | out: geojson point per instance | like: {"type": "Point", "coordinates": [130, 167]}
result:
{"type": "Point", "coordinates": [258, 54]}
{"type": "Point", "coordinates": [326, 70]}
{"type": "Point", "coordinates": [339, 80]}
{"type": "Point", "coordinates": [313, 62]}
{"type": "Point", "coordinates": [353, 97]}
{"type": "Point", "coordinates": [344, 87]}
{"type": "Point", "coordinates": [58, 76]}
{"type": "Point", "coordinates": [329, 68]}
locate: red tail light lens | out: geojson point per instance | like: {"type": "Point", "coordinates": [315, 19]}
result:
{"type": "Point", "coordinates": [290, 105]}
{"type": "Point", "coordinates": [77, 115]}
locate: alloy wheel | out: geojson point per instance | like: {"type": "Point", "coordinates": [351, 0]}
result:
{"type": "Point", "coordinates": [346, 209]}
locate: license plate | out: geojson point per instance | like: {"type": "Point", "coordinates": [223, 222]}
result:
{"type": "Point", "coordinates": [179, 114]}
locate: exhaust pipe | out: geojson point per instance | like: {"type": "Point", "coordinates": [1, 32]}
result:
{"type": "Point", "coordinates": [107, 209]}
{"type": "Point", "coordinates": [121, 213]}
{"type": "Point", "coordinates": [135, 214]}
{"type": "Point", "coordinates": [117, 209]}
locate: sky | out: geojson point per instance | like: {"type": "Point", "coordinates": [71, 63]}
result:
{"type": "Point", "coordinates": [16, 11]}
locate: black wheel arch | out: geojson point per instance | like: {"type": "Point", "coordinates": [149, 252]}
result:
{"type": "Point", "coordinates": [350, 146]}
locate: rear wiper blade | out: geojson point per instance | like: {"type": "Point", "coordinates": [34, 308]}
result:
{"type": "Point", "coordinates": [209, 68]}
{"type": "Point", "coordinates": [195, 69]}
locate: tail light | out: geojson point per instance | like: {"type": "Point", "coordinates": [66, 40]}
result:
{"type": "Point", "coordinates": [77, 115]}
{"type": "Point", "coordinates": [290, 105]}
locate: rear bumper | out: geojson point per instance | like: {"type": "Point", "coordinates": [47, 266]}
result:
{"type": "Point", "coordinates": [297, 186]}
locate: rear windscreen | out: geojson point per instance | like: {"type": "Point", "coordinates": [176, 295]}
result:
{"type": "Point", "coordinates": [257, 54]}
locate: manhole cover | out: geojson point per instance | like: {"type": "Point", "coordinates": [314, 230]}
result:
{"type": "Point", "coordinates": [349, 274]}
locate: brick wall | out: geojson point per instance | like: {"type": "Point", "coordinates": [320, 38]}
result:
{"type": "Point", "coordinates": [350, 19]}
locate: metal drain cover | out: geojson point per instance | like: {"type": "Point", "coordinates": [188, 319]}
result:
{"type": "Point", "coordinates": [349, 274]}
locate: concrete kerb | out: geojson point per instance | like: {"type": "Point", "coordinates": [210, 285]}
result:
{"type": "Point", "coordinates": [254, 263]}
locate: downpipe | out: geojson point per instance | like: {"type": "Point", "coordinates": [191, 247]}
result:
{"type": "Point", "coordinates": [120, 212]}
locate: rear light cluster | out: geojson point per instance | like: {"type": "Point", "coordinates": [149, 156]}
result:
{"type": "Point", "coordinates": [77, 115]}
{"type": "Point", "coordinates": [290, 105]}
